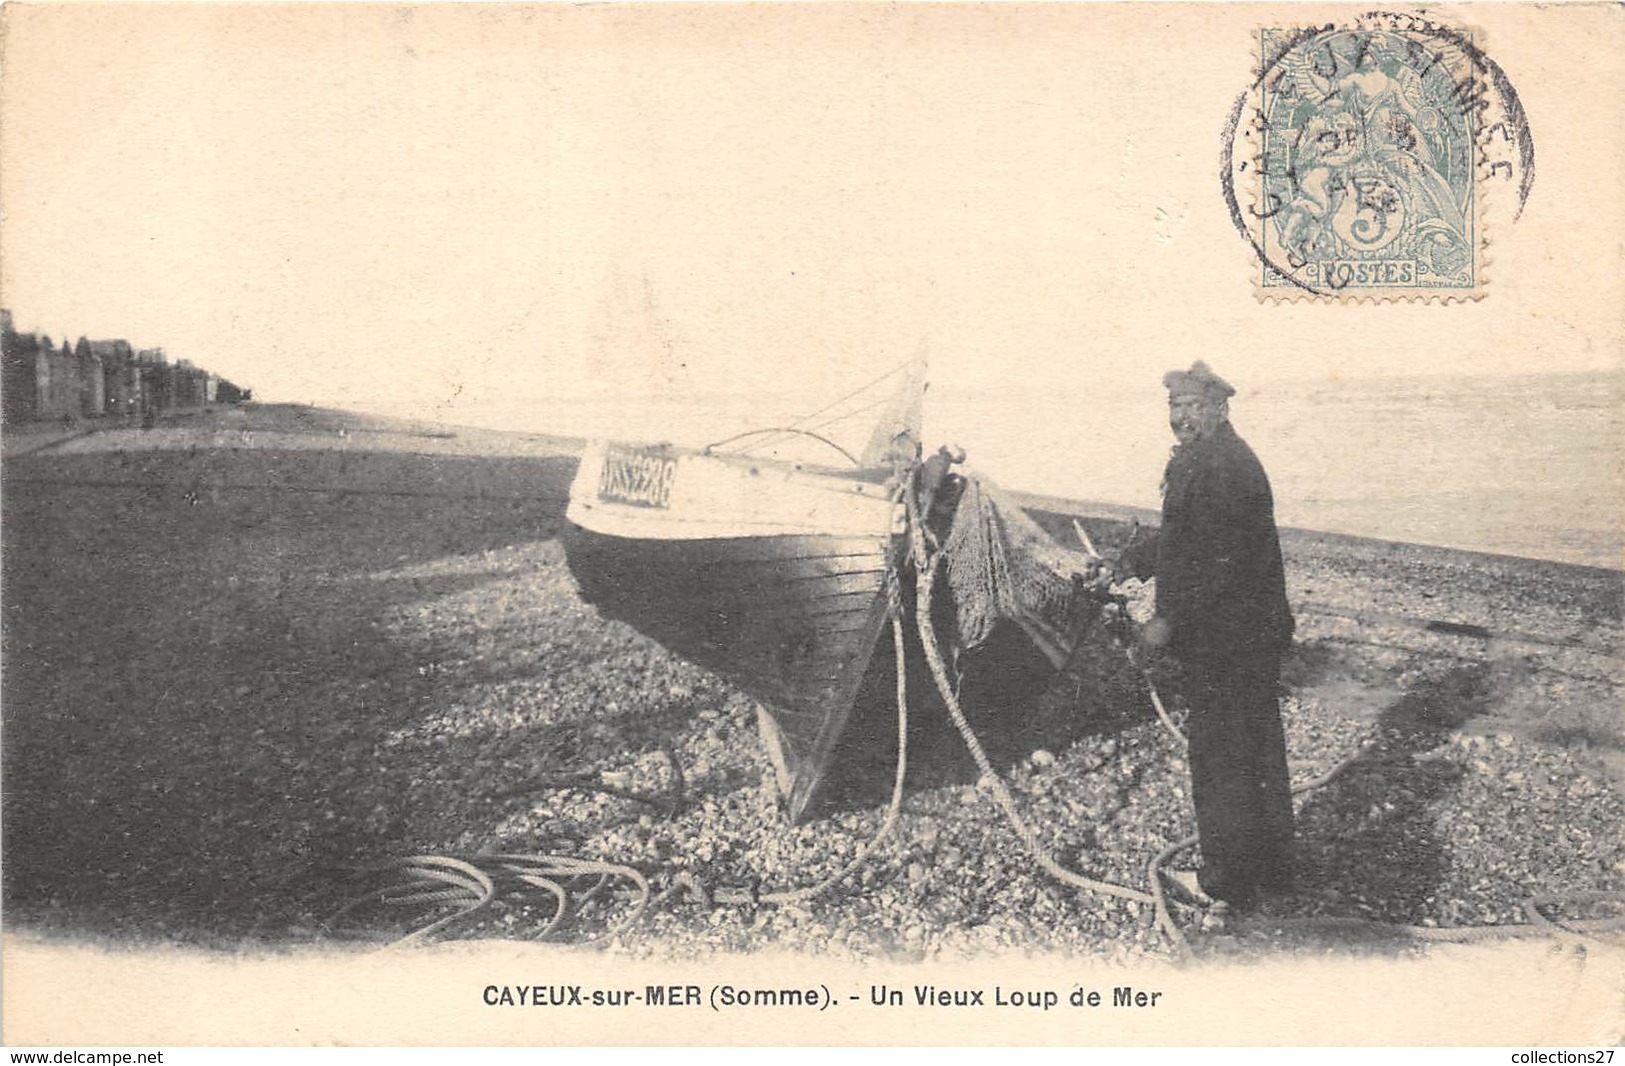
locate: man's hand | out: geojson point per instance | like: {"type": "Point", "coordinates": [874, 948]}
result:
{"type": "Point", "coordinates": [1155, 635]}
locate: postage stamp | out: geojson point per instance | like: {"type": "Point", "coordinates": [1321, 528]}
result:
{"type": "Point", "coordinates": [1358, 162]}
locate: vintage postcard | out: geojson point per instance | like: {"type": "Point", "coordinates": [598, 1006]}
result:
{"type": "Point", "coordinates": [812, 524]}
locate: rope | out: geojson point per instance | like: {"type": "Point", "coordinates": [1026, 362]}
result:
{"type": "Point", "coordinates": [460, 881]}
{"type": "Point", "coordinates": [856, 412]}
{"type": "Point", "coordinates": [926, 564]}
{"type": "Point", "coordinates": [1162, 712]}
{"type": "Point", "coordinates": [834, 404]}
{"type": "Point", "coordinates": [475, 881]}
{"type": "Point", "coordinates": [784, 432]}
{"type": "Point", "coordinates": [892, 808]}
{"type": "Point", "coordinates": [1165, 917]}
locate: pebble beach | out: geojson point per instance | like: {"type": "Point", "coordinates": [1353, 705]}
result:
{"type": "Point", "coordinates": [254, 657]}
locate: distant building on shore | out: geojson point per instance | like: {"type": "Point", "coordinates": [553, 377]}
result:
{"type": "Point", "coordinates": [100, 378]}
{"type": "Point", "coordinates": [38, 381]}
{"type": "Point", "coordinates": [153, 379]}
{"type": "Point", "coordinates": [227, 392]}
{"type": "Point", "coordinates": [120, 391]}
{"type": "Point", "coordinates": [187, 383]}
{"type": "Point", "coordinates": [88, 369]}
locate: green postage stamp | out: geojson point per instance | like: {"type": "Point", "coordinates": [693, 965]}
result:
{"type": "Point", "coordinates": [1357, 163]}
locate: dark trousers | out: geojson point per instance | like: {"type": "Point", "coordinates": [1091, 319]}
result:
{"type": "Point", "coordinates": [1239, 776]}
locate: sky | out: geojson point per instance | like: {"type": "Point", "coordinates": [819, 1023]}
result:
{"type": "Point", "coordinates": [492, 213]}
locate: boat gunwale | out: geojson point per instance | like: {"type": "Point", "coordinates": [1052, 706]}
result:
{"type": "Point", "coordinates": [868, 475]}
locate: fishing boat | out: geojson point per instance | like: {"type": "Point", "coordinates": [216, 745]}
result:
{"type": "Point", "coordinates": [771, 573]}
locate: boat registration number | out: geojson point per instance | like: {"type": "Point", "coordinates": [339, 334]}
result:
{"type": "Point", "coordinates": [640, 478]}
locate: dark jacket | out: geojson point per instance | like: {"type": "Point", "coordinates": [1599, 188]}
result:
{"type": "Point", "coordinates": [1217, 557]}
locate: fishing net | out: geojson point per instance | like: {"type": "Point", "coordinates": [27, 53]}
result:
{"type": "Point", "coordinates": [1002, 565]}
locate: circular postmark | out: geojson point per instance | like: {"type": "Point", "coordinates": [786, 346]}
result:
{"type": "Point", "coordinates": [1357, 161]}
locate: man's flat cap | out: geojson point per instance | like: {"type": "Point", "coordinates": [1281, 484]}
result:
{"type": "Point", "coordinates": [1199, 380]}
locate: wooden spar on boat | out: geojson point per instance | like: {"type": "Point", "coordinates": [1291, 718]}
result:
{"type": "Point", "coordinates": [769, 573]}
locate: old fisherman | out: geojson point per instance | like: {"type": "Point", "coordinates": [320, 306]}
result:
{"type": "Point", "coordinates": [1221, 611]}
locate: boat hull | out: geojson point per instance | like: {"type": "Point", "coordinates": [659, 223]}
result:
{"type": "Point", "coordinates": [773, 578]}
